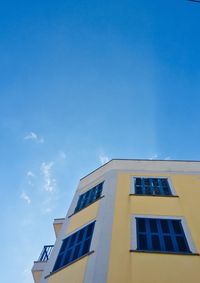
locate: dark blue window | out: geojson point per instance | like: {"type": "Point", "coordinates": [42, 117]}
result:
{"type": "Point", "coordinates": [152, 186]}
{"type": "Point", "coordinates": [89, 197]}
{"type": "Point", "coordinates": [164, 235]}
{"type": "Point", "coordinates": [75, 246]}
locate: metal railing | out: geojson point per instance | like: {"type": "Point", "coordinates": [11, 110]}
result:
{"type": "Point", "coordinates": [45, 254]}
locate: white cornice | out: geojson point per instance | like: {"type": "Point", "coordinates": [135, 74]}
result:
{"type": "Point", "coordinates": [144, 166]}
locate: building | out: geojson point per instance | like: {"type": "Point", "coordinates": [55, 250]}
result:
{"type": "Point", "coordinates": [130, 221]}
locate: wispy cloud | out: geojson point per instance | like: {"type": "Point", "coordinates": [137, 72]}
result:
{"type": "Point", "coordinates": [25, 197]}
{"type": "Point", "coordinates": [30, 174]}
{"type": "Point", "coordinates": [167, 158]}
{"type": "Point", "coordinates": [25, 271]}
{"type": "Point", "coordinates": [49, 181]}
{"type": "Point", "coordinates": [103, 158]}
{"type": "Point", "coordinates": [62, 154]}
{"type": "Point", "coordinates": [30, 177]}
{"type": "Point", "coordinates": [34, 137]}
{"type": "Point", "coordinates": [154, 156]}
{"type": "Point", "coordinates": [47, 210]}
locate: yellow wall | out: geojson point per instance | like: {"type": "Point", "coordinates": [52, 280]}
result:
{"type": "Point", "coordinates": [73, 273]}
{"type": "Point", "coordinates": [57, 228]}
{"type": "Point", "coordinates": [37, 275]}
{"type": "Point", "coordinates": [83, 217]}
{"type": "Point", "coordinates": [135, 267]}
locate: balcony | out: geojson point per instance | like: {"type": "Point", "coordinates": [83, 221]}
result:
{"type": "Point", "coordinates": [45, 254]}
{"type": "Point", "coordinates": [39, 265]}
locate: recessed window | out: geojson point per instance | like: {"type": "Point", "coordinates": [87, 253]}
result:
{"type": "Point", "coordinates": [161, 235]}
{"type": "Point", "coordinates": [89, 197]}
{"type": "Point", "coordinates": [152, 186]}
{"type": "Point", "coordinates": [75, 246]}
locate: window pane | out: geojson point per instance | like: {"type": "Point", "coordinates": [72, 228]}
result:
{"type": "Point", "coordinates": [164, 225]}
{"type": "Point", "coordinates": [177, 226]}
{"type": "Point", "coordinates": [166, 191]}
{"type": "Point", "coordinates": [86, 195]}
{"type": "Point", "coordinates": [155, 182]}
{"type": "Point", "coordinates": [72, 239]}
{"type": "Point", "coordinates": [76, 252]}
{"type": "Point", "coordinates": [181, 244]}
{"type": "Point", "coordinates": [86, 247]}
{"type": "Point", "coordinates": [153, 225]}
{"type": "Point", "coordinates": [168, 243]}
{"type": "Point", "coordinates": [138, 190]}
{"type": "Point", "coordinates": [98, 193]}
{"type": "Point", "coordinates": [141, 224]}
{"type": "Point", "coordinates": [75, 246]}
{"type": "Point", "coordinates": [58, 263]}
{"type": "Point", "coordinates": [142, 242]}
{"type": "Point", "coordinates": [156, 191]}
{"type": "Point", "coordinates": [138, 181]}
{"type": "Point", "coordinates": [164, 182]}
{"type": "Point", "coordinates": [148, 191]}
{"type": "Point", "coordinates": [89, 229]}
{"type": "Point", "coordinates": [80, 235]}
{"type": "Point", "coordinates": [155, 243]}
{"type": "Point", "coordinates": [161, 235]}
{"type": "Point", "coordinates": [64, 244]}
{"type": "Point", "coordinates": [92, 195]}
{"type": "Point", "coordinates": [152, 186]}
{"type": "Point", "coordinates": [89, 197]}
{"type": "Point", "coordinates": [78, 204]}
{"type": "Point", "coordinates": [83, 203]}
{"type": "Point", "coordinates": [67, 257]}
{"type": "Point", "coordinates": [147, 182]}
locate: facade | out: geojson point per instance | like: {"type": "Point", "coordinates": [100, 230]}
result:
{"type": "Point", "coordinates": [130, 221]}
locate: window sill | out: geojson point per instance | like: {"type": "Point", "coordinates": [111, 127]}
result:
{"type": "Point", "coordinates": [142, 195]}
{"type": "Point", "coordinates": [163, 252]}
{"type": "Point", "coordinates": [86, 206]}
{"type": "Point", "coordinates": [72, 262]}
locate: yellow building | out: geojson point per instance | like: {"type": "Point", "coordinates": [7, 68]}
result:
{"type": "Point", "coordinates": [130, 221]}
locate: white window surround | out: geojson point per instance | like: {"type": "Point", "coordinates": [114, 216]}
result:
{"type": "Point", "coordinates": [183, 222]}
{"type": "Point", "coordinates": [132, 190]}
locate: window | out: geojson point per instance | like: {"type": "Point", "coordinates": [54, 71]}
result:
{"type": "Point", "coordinates": [75, 246]}
{"type": "Point", "coordinates": [165, 235]}
{"type": "Point", "coordinates": [152, 186]}
{"type": "Point", "coordinates": [89, 197]}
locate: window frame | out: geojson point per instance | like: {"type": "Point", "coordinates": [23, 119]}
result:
{"type": "Point", "coordinates": [88, 204]}
{"type": "Point", "coordinates": [80, 257]}
{"type": "Point", "coordinates": [184, 227]}
{"type": "Point", "coordinates": [133, 192]}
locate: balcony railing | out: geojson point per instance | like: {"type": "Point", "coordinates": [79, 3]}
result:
{"type": "Point", "coordinates": [45, 254]}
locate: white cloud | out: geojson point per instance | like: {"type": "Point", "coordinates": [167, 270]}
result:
{"type": "Point", "coordinates": [154, 156]}
{"type": "Point", "coordinates": [25, 197]}
{"type": "Point", "coordinates": [34, 137]}
{"type": "Point", "coordinates": [62, 154]}
{"type": "Point", "coordinates": [103, 159]}
{"type": "Point", "coordinates": [49, 182]}
{"type": "Point", "coordinates": [47, 210]}
{"type": "Point", "coordinates": [167, 158]}
{"type": "Point", "coordinates": [25, 271]}
{"type": "Point", "coordinates": [30, 174]}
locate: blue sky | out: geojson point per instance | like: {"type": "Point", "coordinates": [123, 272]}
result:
{"type": "Point", "coordinates": [83, 82]}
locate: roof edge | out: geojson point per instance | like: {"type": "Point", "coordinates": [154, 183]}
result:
{"type": "Point", "coordinates": [132, 159]}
